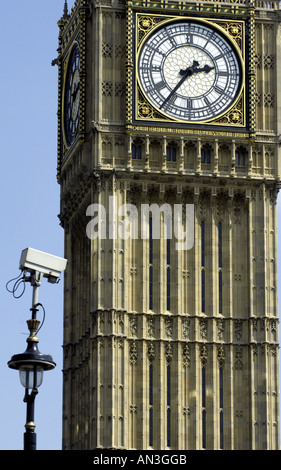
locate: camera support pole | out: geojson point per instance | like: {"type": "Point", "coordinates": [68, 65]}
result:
{"type": "Point", "coordinates": [36, 279]}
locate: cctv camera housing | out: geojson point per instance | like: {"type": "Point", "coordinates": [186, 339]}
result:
{"type": "Point", "coordinates": [37, 261]}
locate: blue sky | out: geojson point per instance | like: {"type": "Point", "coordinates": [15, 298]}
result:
{"type": "Point", "coordinates": [29, 207]}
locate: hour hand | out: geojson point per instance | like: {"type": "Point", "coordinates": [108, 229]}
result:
{"type": "Point", "coordinates": [75, 91]}
{"type": "Point", "coordinates": [190, 70]}
{"type": "Point", "coordinates": [196, 69]}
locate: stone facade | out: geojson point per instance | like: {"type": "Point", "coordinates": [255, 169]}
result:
{"type": "Point", "coordinates": [167, 349]}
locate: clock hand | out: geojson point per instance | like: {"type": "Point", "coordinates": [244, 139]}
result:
{"type": "Point", "coordinates": [193, 67]}
{"type": "Point", "coordinates": [75, 91]}
{"type": "Point", "coordinates": [186, 73]}
{"type": "Point", "coordinates": [205, 69]}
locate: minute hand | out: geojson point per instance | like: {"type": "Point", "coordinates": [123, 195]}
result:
{"type": "Point", "coordinates": [187, 73]}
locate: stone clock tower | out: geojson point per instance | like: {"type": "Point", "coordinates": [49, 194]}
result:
{"type": "Point", "coordinates": [162, 105]}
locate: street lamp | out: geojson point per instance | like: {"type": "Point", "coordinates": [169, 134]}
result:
{"type": "Point", "coordinates": [31, 364]}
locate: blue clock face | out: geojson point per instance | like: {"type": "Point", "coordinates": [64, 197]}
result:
{"type": "Point", "coordinates": [189, 71]}
{"type": "Point", "coordinates": [72, 96]}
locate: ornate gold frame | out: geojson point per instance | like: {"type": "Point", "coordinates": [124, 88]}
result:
{"type": "Point", "coordinates": [72, 30]}
{"type": "Point", "coordinates": [65, 71]}
{"type": "Point", "coordinates": [141, 114]}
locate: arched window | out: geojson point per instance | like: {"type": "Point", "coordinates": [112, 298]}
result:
{"type": "Point", "coordinates": [150, 265]}
{"type": "Point", "coordinates": [240, 156]}
{"type": "Point", "coordinates": [220, 264]}
{"type": "Point", "coordinates": [203, 266]}
{"type": "Point", "coordinates": [168, 403]}
{"type": "Point", "coordinates": [206, 154]}
{"type": "Point", "coordinates": [150, 400]}
{"type": "Point", "coordinates": [190, 154]}
{"type": "Point", "coordinates": [221, 402]}
{"type": "Point", "coordinates": [136, 151]}
{"type": "Point", "coordinates": [171, 152]}
{"type": "Point", "coordinates": [224, 154]}
{"type": "Point", "coordinates": [203, 383]}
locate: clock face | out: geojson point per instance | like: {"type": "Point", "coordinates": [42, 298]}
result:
{"type": "Point", "coordinates": [189, 71]}
{"type": "Point", "coordinates": [72, 96]}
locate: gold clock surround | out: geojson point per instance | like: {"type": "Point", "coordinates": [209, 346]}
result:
{"type": "Point", "coordinates": [68, 37]}
{"type": "Point", "coordinates": [66, 70]}
{"type": "Point", "coordinates": [140, 111]}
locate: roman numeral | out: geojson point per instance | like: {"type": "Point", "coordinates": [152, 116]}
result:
{"type": "Point", "coordinates": [160, 85]}
{"type": "Point", "coordinates": [223, 73]}
{"type": "Point", "coordinates": [218, 89]}
{"type": "Point", "coordinates": [171, 39]}
{"type": "Point", "coordinates": [208, 104]}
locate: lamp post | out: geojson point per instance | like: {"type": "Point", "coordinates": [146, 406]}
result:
{"type": "Point", "coordinates": [31, 365]}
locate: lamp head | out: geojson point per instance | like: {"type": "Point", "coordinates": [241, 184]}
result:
{"type": "Point", "coordinates": [31, 364]}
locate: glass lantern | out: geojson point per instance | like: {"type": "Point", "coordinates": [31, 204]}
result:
{"type": "Point", "coordinates": [31, 376]}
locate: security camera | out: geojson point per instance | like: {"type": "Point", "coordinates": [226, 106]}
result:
{"type": "Point", "coordinates": [50, 266]}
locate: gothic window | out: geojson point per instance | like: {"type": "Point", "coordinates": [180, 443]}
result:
{"type": "Point", "coordinates": [150, 426]}
{"type": "Point", "coordinates": [190, 153]}
{"type": "Point", "coordinates": [168, 269]}
{"type": "Point", "coordinates": [204, 429]}
{"type": "Point", "coordinates": [221, 404]}
{"type": "Point", "coordinates": [203, 290]}
{"type": "Point", "coordinates": [119, 150]}
{"type": "Point", "coordinates": [206, 155]}
{"type": "Point", "coordinates": [107, 150]}
{"type": "Point", "coordinates": [257, 160]}
{"type": "Point", "coordinates": [220, 243]}
{"type": "Point", "coordinates": [224, 154]}
{"type": "Point", "coordinates": [168, 404]}
{"type": "Point", "coordinates": [202, 243]}
{"type": "Point", "coordinates": [203, 378]}
{"type": "Point", "coordinates": [136, 151]}
{"type": "Point", "coordinates": [269, 160]}
{"type": "Point", "coordinates": [220, 264]}
{"type": "Point", "coordinates": [203, 266]}
{"type": "Point", "coordinates": [150, 402]}
{"type": "Point", "coordinates": [154, 152]}
{"type": "Point", "coordinates": [240, 156]}
{"type": "Point", "coordinates": [171, 152]}
{"type": "Point", "coordinates": [150, 265]}
{"type": "Point", "coordinates": [168, 287]}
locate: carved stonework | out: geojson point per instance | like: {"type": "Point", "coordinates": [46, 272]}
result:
{"type": "Point", "coordinates": [169, 327]}
{"type": "Point", "coordinates": [203, 329]}
{"type": "Point", "coordinates": [186, 325]}
{"type": "Point", "coordinates": [186, 355]}
{"type": "Point", "coordinates": [238, 330]}
{"type": "Point", "coordinates": [238, 364]}
{"type": "Point", "coordinates": [133, 354]}
{"type": "Point", "coordinates": [220, 329]}
{"type": "Point", "coordinates": [168, 352]}
{"type": "Point", "coordinates": [133, 326]}
{"type": "Point", "coordinates": [151, 327]}
{"type": "Point", "coordinates": [151, 351]}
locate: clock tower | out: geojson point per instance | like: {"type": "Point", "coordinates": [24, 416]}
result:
{"type": "Point", "coordinates": [168, 162]}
